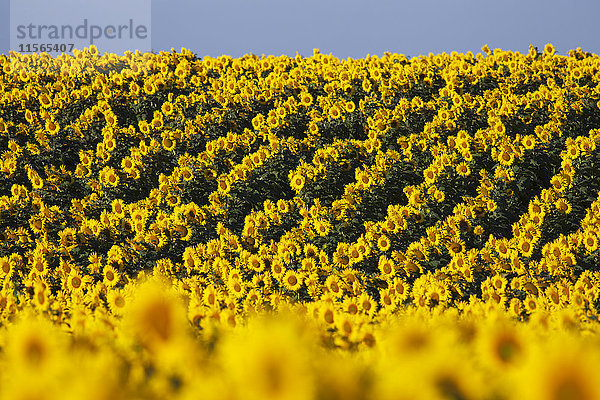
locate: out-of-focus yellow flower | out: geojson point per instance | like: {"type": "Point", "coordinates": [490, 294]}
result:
{"type": "Point", "coordinates": [560, 367]}
{"type": "Point", "coordinates": [279, 369]}
{"type": "Point", "coordinates": [35, 346]}
{"type": "Point", "coordinates": [155, 316]}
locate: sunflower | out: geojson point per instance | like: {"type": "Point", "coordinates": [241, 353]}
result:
{"type": "Point", "coordinates": [67, 236]}
{"type": "Point", "coordinates": [111, 276]}
{"type": "Point", "coordinates": [310, 250]}
{"type": "Point", "coordinates": [322, 227]}
{"type": "Point", "coordinates": [387, 300]}
{"type": "Point", "coordinates": [236, 287]}
{"type": "Point", "coordinates": [41, 296]}
{"type": "Point", "coordinates": [478, 230]}
{"type": "Point", "coordinates": [506, 158]}
{"type": "Point", "coordinates": [118, 208]}
{"type": "Point", "coordinates": [327, 313]}
{"type": "Point", "coordinates": [535, 207]}
{"type": "Point", "coordinates": [416, 199]}
{"type": "Point", "coordinates": [167, 108]}
{"type": "Point", "coordinates": [182, 231]}
{"type": "Point", "coordinates": [223, 185]}
{"type": "Point", "coordinates": [40, 265]}
{"type": "Point", "coordinates": [439, 196]}
{"type": "Point", "coordinates": [350, 106]}
{"type": "Point", "coordinates": [187, 174]}
{"type": "Point", "coordinates": [363, 178]}
{"type": "Point", "coordinates": [354, 254]}
{"type": "Point", "coordinates": [256, 263]}
{"type": "Point", "coordinates": [363, 247]}
{"type": "Point", "coordinates": [590, 241]}
{"type": "Point", "coordinates": [499, 283]}
{"type": "Point", "coordinates": [386, 267]}
{"type": "Point", "coordinates": [455, 246]}
{"type": "Point", "coordinates": [557, 183]}
{"type": "Point", "coordinates": [149, 87]}
{"type": "Point", "coordinates": [308, 265]}
{"type": "Point", "coordinates": [350, 305]}
{"type": "Point", "coordinates": [563, 206]}
{"type": "Point", "coordinates": [211, 296]}
{"type": "Point", "coordinates": [45, 100]}
{"type": "Point", "coordinates": [76, 283]}
{"type": "Point", "coordinates": [366, 85]}
{"type": "Point", "coordinates": [463, 169]}
{"type": "Point", "coordinates": [278, 270]}
{"type": "Point", "coordinates": [553, 296]}
{"type": "Point", "coordinates": [111, 178]}
{"type": "Point", "coordinates": [334, 286]}
{"type": "Point", "coordinates": [525, 247]}
{"type": "Point", "coordinates": [37, 224]}
{"type": "Point", "coordinates": [297, 182]}
{"type": "Point", "coordinates": [384, 243]}
{"type": "Point", "coordinates": [367, 304]}
{"type": "Point", "coordinates": [528, 142]}
{"type": "Point", "coordinates": [503, 249]}
{"type": "Point", "coordinates": [254, 296]}
{"type": "Point", "coordinates": [335, 112]}
{"type": "Point", "coordinates": [531, 303]}
{"type": "Point", "coordinates": [116, 301]}
{"type": "Point", "coordinates": [258, 121]}
{"type": "Point", "coordinates": [430, 174]}
{"type": "Point", "coordinates": [168, 143]}
{"type": "Point", "coordinates": [500, 128]}
{"type": "Point", "coordinates": [306, 99]}
{"type": "Point", "coordinates": [292, 280]}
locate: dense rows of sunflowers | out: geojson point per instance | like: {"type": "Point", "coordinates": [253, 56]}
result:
{"type": "Point", "coordinates": [308, 227]}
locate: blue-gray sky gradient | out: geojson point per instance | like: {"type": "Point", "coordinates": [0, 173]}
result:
{"type": "Point", "coordinates": [356, 28]}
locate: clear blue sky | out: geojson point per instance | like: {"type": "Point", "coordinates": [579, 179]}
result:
{"type": "Point", "coordinates": [353, 28]}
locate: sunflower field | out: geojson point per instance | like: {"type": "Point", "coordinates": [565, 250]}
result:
{"type": "Point", "coordinates": [300, 227]}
